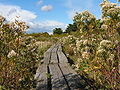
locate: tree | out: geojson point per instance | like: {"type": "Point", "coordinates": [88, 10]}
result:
{"type": "Point", "coordinates": [57, 31]}
{"type": "Point", "coordinates": [71, 28]}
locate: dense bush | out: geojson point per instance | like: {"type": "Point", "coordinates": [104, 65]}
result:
{"type": "Point", "coordinates": [57, 31]}
{"type": "Point", "coordinates": [96, 46]}
{"type": "Point", "coordinates": [71, 28]}
{"type": "Point", "coordinates": [19, 54]}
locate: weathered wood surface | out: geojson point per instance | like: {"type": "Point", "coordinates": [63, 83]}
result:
{"type": "Point", "coordinates": [62, 57]}
{"type": "Point", "coordinates": [47, 55]}
{"type": "Point", "coordinates": [57, 79]}
{"type": "Point", "coordinates": [74, 80]}
{"type": "Point", "coordinates": [56, 74]}
{"type": "Point", "coordinates": [41, 77]}
{"type": "Point", "coordinates": [54, 58]}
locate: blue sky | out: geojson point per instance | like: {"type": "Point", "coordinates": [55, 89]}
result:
{"type": "Point", "coordinates": [44, 15]}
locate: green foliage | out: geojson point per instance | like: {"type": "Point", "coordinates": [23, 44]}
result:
{"type": "Point", "coordinates": [48, 75]}
{"type": "Point", "coordinates": [45, 34]}
{"type": "Point", "coordinates": [57, 31]}
{"type": "Point", "coordinates": [71, 28]}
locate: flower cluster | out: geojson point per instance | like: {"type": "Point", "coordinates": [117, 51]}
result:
{"type": "Point", "coordinates": [81, 43]}
{"type": "Point", "coordinates": [118, 25]}
{"type": "Point", "coordinates": [105, 27]}
{"type": "Point", "coordinates": [104, 49]}
{"type": "Point", "coordinates": [114, 11]}
{"type": "Point", "coordinates": [68, 39]}
{"type": "Point", "coordinates": [84, 16]}
{"type": "Point", "coordinates": [85, 21]}
{"type": "Point", "coordinates": [107, 5]}
{"type": "Point", "coordinates": [86, 55]}
{"type": "Point", "coordinates": [85, 48]}
{"type": "Point", "coordinates": [12, 53]}
{"type": "Point", "coordinates": [87, 16]}
{"type": "Point", "coordinates": [105, 43]}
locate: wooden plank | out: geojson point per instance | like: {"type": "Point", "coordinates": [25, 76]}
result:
{"type": "Point", "coordinates": [77, 78]}
{"type": "Point", "coordinates": [59, 48]}
{"type": "Point", "coordinates": [41, 77]}
{"type": "Point", "coordinates": [47, 55]}
{"type": "Point", "coordinates": [58, 82]}
{"type": "Point", "coordinates": [37, 72]}
{"type": "Point", "coordinates": [54, 49]}
{"type": "Point", "coordinates": [73, 79]}
{"type": "Point", "coordinates": [54, 58]}
{"type": "Point", "coordinates": [62, 57]}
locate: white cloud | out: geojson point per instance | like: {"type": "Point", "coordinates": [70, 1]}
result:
{"type": "Point", "coordinates": [40, 2]}
{"type": "Point", "coordinates": [10, 12]}
{"type": "Point", "coordinates": [47, 8]}
{"type": "Point", "coordinates": [45, 26]}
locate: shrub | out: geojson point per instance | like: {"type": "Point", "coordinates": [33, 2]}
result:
{"type": "Point", "coordinates": [95, 46]}
{"type": "Point", "coordinates": [19, 55]}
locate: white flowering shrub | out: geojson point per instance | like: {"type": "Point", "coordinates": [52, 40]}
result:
{"type": "Point", "coordinates": [110, 18]}
{"type": "Point", "coordinates": [19, 55]}
{"type": "Point", "coordinates": [70, 42]}
{"type": "Point", "coordinates": [85, 21]}
{"type": "Point", "coordinates": [68, 39]}
{"type": "Point", "coordinates": [97, 46]}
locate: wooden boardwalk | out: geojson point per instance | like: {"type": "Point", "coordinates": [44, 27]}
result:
{"type": "Point", "coordinates": [56, 74]}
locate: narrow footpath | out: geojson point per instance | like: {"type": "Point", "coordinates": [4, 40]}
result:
{"type": "Point", "coordinates": [56, 74]}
